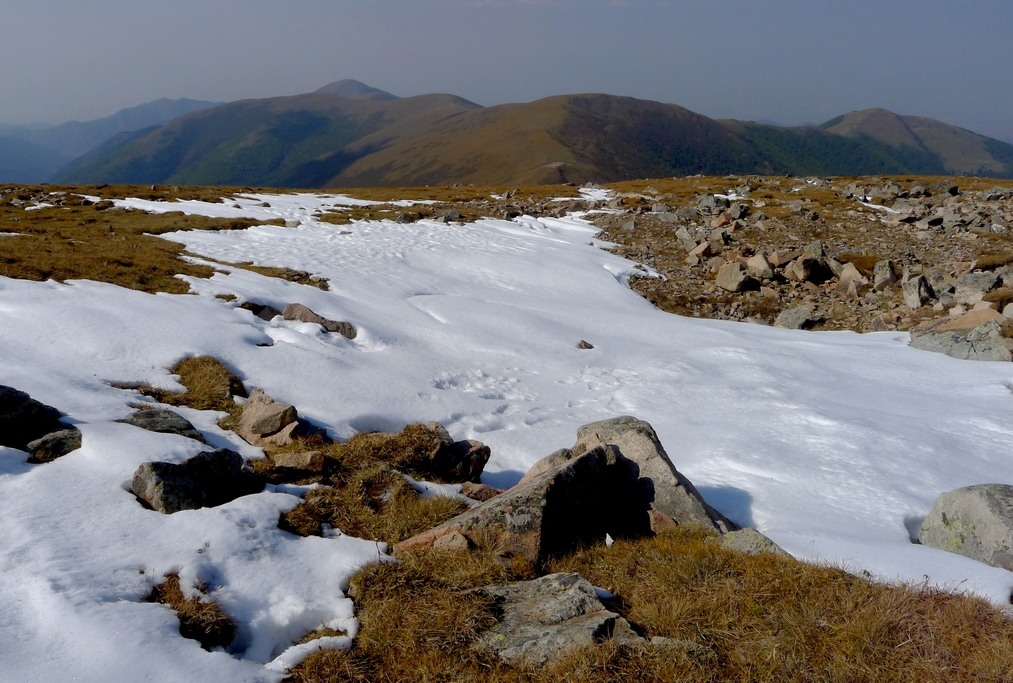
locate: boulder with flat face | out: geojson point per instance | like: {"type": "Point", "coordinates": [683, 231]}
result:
{"type": "Point", "coordinates": [207, 479]}
{"type": "Point", "coordinates": [974, 521]}
{"type": "Point", "coordinates": [23, 419]}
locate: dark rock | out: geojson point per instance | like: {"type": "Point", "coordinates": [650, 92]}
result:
{"type": "Point", "coordinates": [262, 311]}
{"type": "Point", "coordinates": [23, 419]}
{"type": "Point", "coordinates": [207, 479]}
{"type": "Point", "coordinates": [576, 503]}
{"type": "Point", "coordinates": [584, 345]}
{"type": "Point", "coordinates": [301, 313]}
{"type": "Point", "coordinates": [543, 620]}
{"type": "Point", "coordinates": [164, 422]}
{"type": "Point", "coordinates": [54, 445]}
{"type": "Point", "coordinates": [672, 493]}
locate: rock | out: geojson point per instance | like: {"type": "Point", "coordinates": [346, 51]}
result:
{"type": "Point", "coordinates": [712, 204]}
{"type": "Point", "coordinates": [884, 275]}
{"type": "Point", "coordinates": [543, 620]}
{"type": "Point", "coordinates": [577, 503]}
{"type": "Point", "coordinates": [974, 521]}
{"type": "Point", "coordinates": [749, 541]}
{"type": "Point", "coordinates": [310, 461]}
{"type": "Point", "coordinates": [673, 493]}
{"type": "Point", "coordinates": [164, 422]}
{"type": "Point", "coordinates": [917, 292]}
{"type": "Point", "coordinates": [479, 492]}
{"type": "Point", "coordinates": [584, 345]}
{"type": "Point", "coordinates": [207, 479]}
{"type": "Point", "coordinates": [801, 317]}
{"type": "Point", "coordinates": [262, 311]}
{"type": "Point", "coordinates": [262, 415]}
{"type": "Point", "coordinates": [549, 462]}
{"type": "Point", "coordinates": [54, 445]}
{"type": "Point", "coordinates": [23, 419]}
{"type": "Point", "coordinates": [466, 464]}
{"type": "Point", "coordinates": [982, 342]}
{"type": "Point", "coordinates": [303, 314]}
{"type": "Point", "coordinates": [758, 267]}
{"type": "Point", "coordinates": [732, 278]}
{"type": "Point", "coordinates": [684, 239]}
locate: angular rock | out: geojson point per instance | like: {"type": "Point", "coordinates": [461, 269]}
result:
{"type": "Point", "coordinates": [684, 239]}
{"type": "Point", "coordinates": [673, 493]}
{"type": "Point", "coordinates": [23, 419]}
{"type": "Point", "coordinates": [758, 267]}
{"type": "Point", "coordinates": [884, 275]}
{"type": "Point", "coordinates": [974, 521]}
{"type": "Point", "coordinates": [207, 479]}
{"type": "Point", "coordinates": [983, 342]}
{"type": "Point", "coordinates": [301, 313]}
{"type": "Point", "coordinates": [479, 492]}
{"type": "Point", "coordinates": [549, 462]}
{"type": "Point", "coordinates": [800, 317]}
{"type": "Point", "coordinates": [584, 345]}
{"type": "Point", "coordinates": [262, 311]}
{"type": "Point", "coordinates": [310, 461]}
{"type": "Point", "coordinates": [262, 415]}
{"type": "Point", "coordinates": [164, 422]}
{"type": "Point", "coordinates": [581, 501]}
{"type": "Point", "coordinates": [917, 292]}
{"type": "Point", "coordinates": [750, 541]}
{"type": "Point", "coordinates": [732, 278]}
{"type": "Point", "coordinates": [54, 445]}
{"type": "Point", "coordinates": [543, 620]}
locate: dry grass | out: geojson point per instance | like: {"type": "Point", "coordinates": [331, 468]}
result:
{"type": "Point", "coordinates": [201, 620]}
{"type": "Point", "coordinates": [373, 502]}
{"type": "Point", "coordinates": [728, 617]}
{"type": "Point", "coordinates": [80, 240]}
{"type": "Point", "coordinates": [209, 386]}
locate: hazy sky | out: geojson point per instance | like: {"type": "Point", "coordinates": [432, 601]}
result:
{"type": "Point", "coordinates": [789, 61]}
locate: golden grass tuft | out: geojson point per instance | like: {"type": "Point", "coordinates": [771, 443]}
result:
{"type": "Point", "coordinates": [373, 502]}
{"type": "Point", "coordinates": [201, 620]}
{"type": "Point", "coordinates": [725, 616]}
{"type": "Point", "coordinates": [209, 386]}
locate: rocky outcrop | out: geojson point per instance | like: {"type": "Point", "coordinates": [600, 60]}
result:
{"type": "Point", "coordinates": [301, 313]}
{"type": "Point", "coordinates": [974, 521]}
{"type": "Point", "coordinates": [23, 419]}
{"type": "Point", "coordinates": [543, 620]}
{"type": "Point", "coordinates": [975, 336]}
{"type": "Point", "coordinates": [749, 541]}
{"type": "Point", "coordinates": [670, 491]}
{"type": "Point", "coordinates": [579, 501]}
{"type": "Point", "coordinates": [164, 422]}
{"type": "Point", "coordinates": [207, 479]}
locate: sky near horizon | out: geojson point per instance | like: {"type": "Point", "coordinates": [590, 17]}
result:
{"type": "Point", "coordinates": [789, 61]}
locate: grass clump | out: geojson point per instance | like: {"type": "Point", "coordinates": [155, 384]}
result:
{"type": "Point", "coordinates": [201, 620]}
{"type": "Point", "coordinates": [372, 502]}
{"type": "Point", "coordinates": [209, 386]}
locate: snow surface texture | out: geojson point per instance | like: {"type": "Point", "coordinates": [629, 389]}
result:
{"type": "Point", "coordinates": [833, 444]}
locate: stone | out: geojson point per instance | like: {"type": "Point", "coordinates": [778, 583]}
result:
{"type": "Point", "coordinates": [673, 493]}
{"type": "Point", "coordinates": [23, 419]}
{"type": "Point", "coordinates": [164, 422]}
{"type": "Point", "coordinates": [758, 267]}
{"type": "Point", "coordinates": [262, 311]}
{"type": "Point", "coordinates": [207, 479]}
{"type": "Point", "coordinates": [884, 275]}
{"type": "Point", "coordinates": [684, 239]}
{"type": "Point", "coordinates": [479, 492]}
{"type": "Point", "coordinates": [310, 461]}
{"type": "Point", "coordinates": [453, 542]}
{"type": "Point", "coordinates": [262, 415]}
{"type": "Point", "coordinates": [584, 345]}
{"type": "Point", "coordinates": [801, 317]}
{"type": "Point", "coordinates": [917, 292]}
{"type": "Point", "coordinates": [983, 342]}
{"type": "Point", "coordinates": [54, 445]}
{"type": "Point", "coordinates": [749, 541]}
{"type": "Point", "coordinates": [301, 313]}
{"type": "Point", "coordinates": [974, 521]}
{"type": "Point", "coordinates": [543, 620]}
{"type": "Point", "coordinates": [732, 278]}
{"type": "Point", "coordinates": [579, 502]}
{"type": "Point", "coordinates": [549, 462]}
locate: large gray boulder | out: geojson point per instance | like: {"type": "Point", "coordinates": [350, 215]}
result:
{"type": "Point", "coordinates": [575, 503]}
{"type": "Point", "coordinates": [965, 338]}
{"type": "Point", "coordinates": [23, 419]}
{"type": "Point", "coordinates": [543, 620]}
{"type": "Point", "coordinates": [207, 479]}
{"type": "Point", "coordinates": [672, 493]}
{"type": "Point", "coordinates": [974, 521]}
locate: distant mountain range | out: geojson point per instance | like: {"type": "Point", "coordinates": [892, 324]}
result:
{"type": "Point", "coordinates": [349, 134]}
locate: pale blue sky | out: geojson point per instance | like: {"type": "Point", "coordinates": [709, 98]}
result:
{"type": "Point", "coordinates": [785, 60]}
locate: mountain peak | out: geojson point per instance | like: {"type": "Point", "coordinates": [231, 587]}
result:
{"type": "Point", "coordinates": [356, 89]}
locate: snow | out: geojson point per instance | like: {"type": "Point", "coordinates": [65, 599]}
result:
{"type": "Point", "coordinates": [833, 444]}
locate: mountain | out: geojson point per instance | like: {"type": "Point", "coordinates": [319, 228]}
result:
{"type": "Point", "coordinates": [349, 134]}
{"type": "Point", "coordinates": [25, 162]}
{"type": "Point", "coordinates": [352, 88]}
{"type": "Point", "coordinates": [957, 150]}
